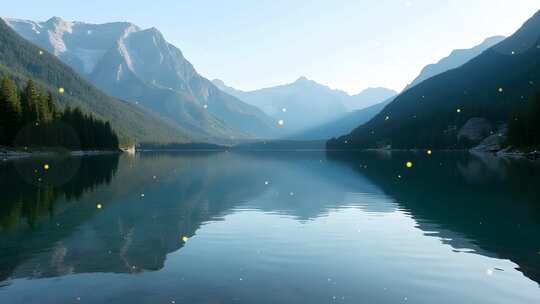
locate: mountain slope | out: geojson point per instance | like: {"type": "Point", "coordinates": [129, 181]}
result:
{"type": "Point", "coordinates": [493, 86]}
{"type": "Point", "coordinates": [342, 125]}
{"type": "Point", "coordinates": [456, 59]}
{"type": "Point", "coordinates": [22, 60]}
{"type": "Point", "coordinates": [140, 66]}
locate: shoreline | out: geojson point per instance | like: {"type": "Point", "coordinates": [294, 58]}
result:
{"type": "Point", "coordinates": [503, 153]}
{"type": "Point", "coordinates": [7, 155]}
{"type": "Point", "coordinates": [13, 154]}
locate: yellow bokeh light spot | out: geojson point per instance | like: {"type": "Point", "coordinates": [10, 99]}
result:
{"type": "Point", "coordinates": [41, 52]}
{"type": "Point", "coordinates": [99, 206]}
{"type": "Point", "coordinates": [185, 238]}
{"type": "Point", "coordinates": [458, 110]}
{"type": "Point", "coordinates": [429, 152]}
{"type": "Point", "coordinates": [61, 90]}
{"type": "Point", "coordinates": [46, 167]}
{"type": "Point", "coordinates": [501, 90]}
{"type": "Point", "coordinates": [281, 122]}
{"type": "Point", "coordinates": [409, 164]}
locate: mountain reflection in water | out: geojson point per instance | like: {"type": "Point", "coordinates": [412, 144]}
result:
{"type": "Point", "coordinates": [129, 214]}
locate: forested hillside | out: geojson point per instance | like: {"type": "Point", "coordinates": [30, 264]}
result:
{"type": "Point", "coordinates": [524, 127]}
{"type": "Point", "coordinates": [31, 119]}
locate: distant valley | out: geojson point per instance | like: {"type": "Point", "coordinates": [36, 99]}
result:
{"type": "Point", "coordinates": [306, 104]}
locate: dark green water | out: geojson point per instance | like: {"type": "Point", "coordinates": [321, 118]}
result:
{"type": "Point", "coordinates": [284, 227]}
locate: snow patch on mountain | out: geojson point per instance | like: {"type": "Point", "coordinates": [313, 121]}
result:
{"type": "Point", "coordinates": [119, 73]}
{"type": "Point", "coordinates": [23, 25]}
{"type": "Point", "coordinates": [56, 34]}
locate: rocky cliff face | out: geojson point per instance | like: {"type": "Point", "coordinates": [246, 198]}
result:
{"type": "Point", "coordinates": [494, 142]}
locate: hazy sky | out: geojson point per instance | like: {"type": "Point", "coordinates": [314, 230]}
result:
{"type": "Point", "coordinates": [346, 44]}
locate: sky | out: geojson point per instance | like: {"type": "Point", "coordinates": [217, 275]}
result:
{"type": "Point", "coordinates": [345, 44]}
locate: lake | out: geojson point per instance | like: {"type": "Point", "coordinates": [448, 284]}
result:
{"type": "Point", "coordinates": [270, 227]}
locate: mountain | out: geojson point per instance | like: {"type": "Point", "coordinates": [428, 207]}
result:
{"type": "Point", "coordinates": [492, 86]}
{"type": "Point", "coordinates": [22, 60]}
{"type": "Point", "coordinates": [456, 59]}
{"type": "Point", "coordinates": [369, 97]}
{"type": "Point", "coordinates": [342, 125]}
{"type": "Point", "coordinates": [350, 121]}
{"type": "Point", "coordinates": [371, 101]}
{"type": "Point", "coordinates": [140, 66]}
{"type": "Point", "coordinates": [292, 103]}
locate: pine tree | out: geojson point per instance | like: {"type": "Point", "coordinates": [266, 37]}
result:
{"type": "Point", "coordinates": [51, 106]}
{"type": "Point", "coordinates": [44, 114]}
{"type": "Point", "coordinates": [10, 110]}
{"type": "Point", "coordinates": [29, 103]}
{"type": "Point", "coordinates": [35, 121]}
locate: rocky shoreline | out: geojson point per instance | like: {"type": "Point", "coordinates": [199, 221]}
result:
{"type": "Point", "coordinates": [511, 153]}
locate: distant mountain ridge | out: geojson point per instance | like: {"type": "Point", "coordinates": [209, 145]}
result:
{"type": "Point", "coordinates": [300, 105]}
{"type": "Point", "coordinates": [369, 97]}
{"type": "Point", "coordinates": [456, 59]}
{"type": "Point", "coordinates": [306, 104]}
{"type": "Point", "coordinates": [140, 66]}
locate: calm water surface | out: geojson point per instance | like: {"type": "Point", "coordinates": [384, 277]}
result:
{"type": "Point", "coordinates": [287, 227]}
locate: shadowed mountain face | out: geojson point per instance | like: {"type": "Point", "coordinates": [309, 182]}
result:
{"type": "Point", "coordinates": [492, 86]}
{"type": "Point", "coordinates": [140, 66]}
{"type": "Point", "coordinates": [456, 59]}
